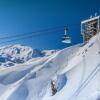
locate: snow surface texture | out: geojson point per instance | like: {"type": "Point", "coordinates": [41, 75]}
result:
{"type": "Point", "coordinates": [75, 71]}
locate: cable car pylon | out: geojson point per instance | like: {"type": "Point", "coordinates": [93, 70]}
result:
{"type": "Point", "coordinates": [66, 37]}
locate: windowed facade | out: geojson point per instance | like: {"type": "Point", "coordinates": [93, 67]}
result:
{"type": "Point", "coordinates": [90, 27]}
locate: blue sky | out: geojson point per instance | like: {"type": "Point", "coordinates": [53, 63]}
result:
{"type": "Point", "coordinates": [23, 16]}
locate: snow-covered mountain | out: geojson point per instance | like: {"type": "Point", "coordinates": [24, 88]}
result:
{"type": "Point", "coordinates": [16, 54]}
{"type": "Point", "coordinates": [75, 72]}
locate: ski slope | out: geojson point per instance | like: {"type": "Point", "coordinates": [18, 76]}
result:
{"type": "Point", "coordinates": [75, 70]}
{"type": "Point", "coordinates": [82, 73]}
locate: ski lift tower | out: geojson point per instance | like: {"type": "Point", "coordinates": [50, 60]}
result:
{"type": "Point", "coordinates": [90, 27]}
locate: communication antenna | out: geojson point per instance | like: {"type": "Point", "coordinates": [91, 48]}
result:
{"type": "Point", "coordinates": [90, 16]}
{"type": "Point", "coordinates": [95, 14]}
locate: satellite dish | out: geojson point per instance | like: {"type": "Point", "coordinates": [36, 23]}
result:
{"type": "Point", "coordinates": [66, 37]}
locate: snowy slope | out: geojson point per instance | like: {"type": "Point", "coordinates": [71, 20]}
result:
{"type": "Point", "coordinates": [83, 74]}
{"type": "Point", "coordinates": [75, 71]}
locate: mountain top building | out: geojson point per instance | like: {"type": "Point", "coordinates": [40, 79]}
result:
{"type": "Point", "coordinates": [90, 27]}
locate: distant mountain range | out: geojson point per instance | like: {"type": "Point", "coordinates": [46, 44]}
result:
{"type": "Point", "coordinates": [16, 54]}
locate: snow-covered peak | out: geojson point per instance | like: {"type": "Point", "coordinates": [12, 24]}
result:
{"type": "Point", "coordinates": [15, 54]}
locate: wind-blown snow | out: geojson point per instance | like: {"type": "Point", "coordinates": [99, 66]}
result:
{"type": "Point", "coordinates": [75, 71]}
